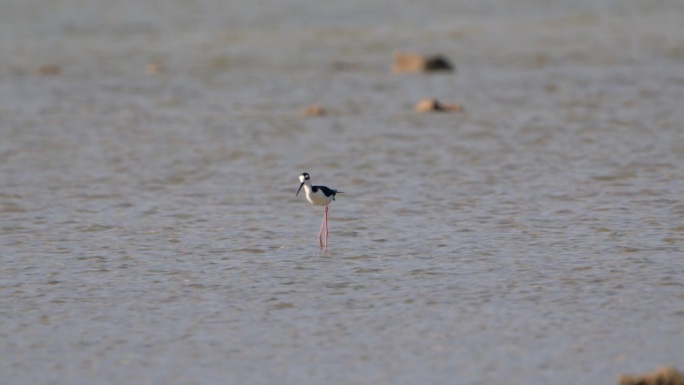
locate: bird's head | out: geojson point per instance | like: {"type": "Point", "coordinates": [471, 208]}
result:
{"type": "Point", "coordinates": [302, 178]}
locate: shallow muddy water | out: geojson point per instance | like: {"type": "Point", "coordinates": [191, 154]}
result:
{"type": "Point", "coordinates": [150, 231]}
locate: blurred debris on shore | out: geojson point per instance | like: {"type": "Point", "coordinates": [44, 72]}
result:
{"type": "Point", "coordinates": [48, 70]}
{"type": "Point", "coordinates": [408, 62]}
{"type": "Point", "coordinates": [155, 68]}
{"type": "Point", "coordinates": [665, 375]}
{"type": "Point", "coordinates": [434, 105]}
{"type": "Point", "coordinates": [313, 110]}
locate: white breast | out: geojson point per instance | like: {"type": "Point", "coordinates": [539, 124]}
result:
{"type": "Point", "coordinates": [317, 198]}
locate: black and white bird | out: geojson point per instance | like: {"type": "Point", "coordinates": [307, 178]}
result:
{"type": "Point", "coordinates": [318, 196]}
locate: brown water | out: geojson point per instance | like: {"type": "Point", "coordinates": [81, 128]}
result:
{"type": "Point", "coordinates": [150, 232]}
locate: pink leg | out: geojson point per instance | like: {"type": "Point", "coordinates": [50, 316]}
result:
{"type": "Point", "coordinates": [320, 241]}
{"type": "Point", "coordinates": [326, 228]}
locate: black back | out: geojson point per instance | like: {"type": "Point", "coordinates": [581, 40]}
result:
{"type": "Point", "coordinates": [326, 191]}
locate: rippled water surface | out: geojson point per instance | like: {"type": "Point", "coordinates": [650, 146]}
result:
{"type": "Point", "coordinates": [150, 231]}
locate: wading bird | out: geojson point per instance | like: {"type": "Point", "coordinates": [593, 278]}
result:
{"type": "Point", "coordinates": [318, 196]}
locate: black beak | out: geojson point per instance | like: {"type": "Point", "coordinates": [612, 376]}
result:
{"type": "Point", "coordinates": [300, 187]}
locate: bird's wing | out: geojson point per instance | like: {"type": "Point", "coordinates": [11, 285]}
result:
{"type": "Point", "coordinates": [327, 191]}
